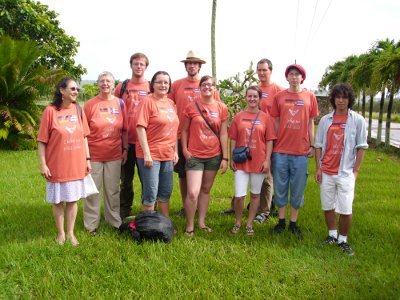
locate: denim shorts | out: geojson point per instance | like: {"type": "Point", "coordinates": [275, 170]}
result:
{"type": "Point", "coordinates": [204, 164]}
{"type": "Point", "coordinates": [290, 173]}
{"type": "Point", "coordinates": [156, 181]}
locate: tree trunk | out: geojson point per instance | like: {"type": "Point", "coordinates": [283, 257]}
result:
{"type": "Point", "coordinates": [213, 56]}
{"type": "Point", "coordinates": [388, 117]}
{"type": "Point", "coordinates": [371, 107]}
{"type": "Point", "coordinates": [379, 135]}
{"type": "Point", "coordinates": [363, 104]}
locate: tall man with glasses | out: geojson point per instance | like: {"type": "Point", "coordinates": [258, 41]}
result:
{"type": "Point", "coordinates": [183, 92]}
{"type": "Point", "coordinates": [134, 91]}
{"type": "Point", "coordinates": [294, 110]}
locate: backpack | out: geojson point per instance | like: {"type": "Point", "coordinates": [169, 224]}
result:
{"type": "Point", "coordinates": [123, 87]}
{"type": "Point", "coordinates": [150, 225]}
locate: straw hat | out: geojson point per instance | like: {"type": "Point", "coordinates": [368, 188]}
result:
{"type": "Point", "coordinates": [193, 57]}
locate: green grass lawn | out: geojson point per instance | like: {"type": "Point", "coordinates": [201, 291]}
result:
{"type": "Point", "coordinates": [210, 265]}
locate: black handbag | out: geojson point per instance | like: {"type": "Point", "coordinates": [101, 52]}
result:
{"type": "Point", "coordinates": [241, 154]}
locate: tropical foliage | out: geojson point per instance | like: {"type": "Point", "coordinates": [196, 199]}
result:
{"type": "Point", "coordinates": [22, 80]}
{"type": "Point", "coordinates": [377, 71]}
{"type": "Point", "coordinates": [31, 20]}
{"type": "Point", "coordinates": [233, 89]}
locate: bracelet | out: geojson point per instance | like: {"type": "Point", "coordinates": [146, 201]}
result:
{"type": "Point", "coordinates": [124, 149]}
{"type": "Point", "coordinates": [312, 146]}
{"type": "Point", "coordinates": [87, 158]}
{"type": "Point", "coordinates": [225, 159]}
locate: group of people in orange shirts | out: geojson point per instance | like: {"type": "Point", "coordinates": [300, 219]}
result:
{"type": "Point", "coordinates": [162, 126]}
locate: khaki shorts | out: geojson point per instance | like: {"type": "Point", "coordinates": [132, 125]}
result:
{"type": "Point", "coordinates": [203, 164]}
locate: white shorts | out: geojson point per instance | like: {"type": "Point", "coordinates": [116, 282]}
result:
{"type": "Point", "coordinates": [242, 180]}
{"type": "Point", "coordinates": [337, 193]}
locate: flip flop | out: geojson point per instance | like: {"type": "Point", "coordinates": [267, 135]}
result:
{"type": "Point", "coordinates": [189, 233]}
{"type": "Point", "coordinates": [206, 228]}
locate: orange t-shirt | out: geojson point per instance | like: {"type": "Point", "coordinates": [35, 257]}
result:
{"type": "Point", "coordinates": [268, 93]}
{"type": "Point", "coordinates": [183, 92]}
{"type": "Point", "coordinates": [135, 92]}
{"type": "Point", "coordinates": [203, 143]}
{"type": "Point", "coordinates": [294, 111]}
{"type": "Point", "coordinates": [263, 131]}
{"type": "Point", "coordinates": [106, 121]}
{"type": "Point", "coordinates": [334, 145]}
{"type": "Point", "coordinates": [63, 131]}
{"type": "Point", "coordinates": [161, 122]}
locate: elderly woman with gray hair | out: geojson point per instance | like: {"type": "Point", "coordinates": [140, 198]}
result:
{"type": "Point", "coordinates": [107, 140]}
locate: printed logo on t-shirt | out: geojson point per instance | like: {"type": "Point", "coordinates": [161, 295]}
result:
{"type": "Point", "coordinates": [111, 120]}
{"type": "Point", "coordinates": [70, 129]}
{"type": "Point", "coordinates": [213, 114]}
{"type": "Point", "coordinates": [67, 118]}
{"type": "Point", "coordinates": [264, 95]}
{"type": "Point", "coordinates": [295, 102]}
{"type": "Point", "coordinates": [114, 110]}
{"type": "Point", "coordinates": [169, 112]}
{"type": "Point", "coordinates": [293, 112]}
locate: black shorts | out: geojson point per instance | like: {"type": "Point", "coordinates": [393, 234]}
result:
{"type": "Point", "coordinates": [180, 166]}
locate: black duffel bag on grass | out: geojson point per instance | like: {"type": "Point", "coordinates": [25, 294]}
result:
{"type": "Point", "coordinates": [150, 225]}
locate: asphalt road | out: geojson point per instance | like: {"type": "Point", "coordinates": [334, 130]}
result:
{"type": "Point", "coordinates": [394, 132]}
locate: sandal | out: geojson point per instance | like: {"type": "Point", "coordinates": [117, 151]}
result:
{"type": "Point", "coordinates": [249, 230]}
{"type": "Point", "coordinates": [189, 233]}
{"type": "Point", "coordinates": [206, 228]}
{"type": "Point", "coordinates": [235, 229]}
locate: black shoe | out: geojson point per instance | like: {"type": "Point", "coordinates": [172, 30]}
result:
{"type": "Point", "coordinates": [278, 228]}
{"type": "Point", "coordinates": [346, 248]}
{"type": "Point", "coordinates": [296, 230]}
{"type": "Point", "coordinates": [181, 213]}
{"type": "Point", "coordinates": [330, 240]}
{"type": "Point", "coordinates": [227, 211]}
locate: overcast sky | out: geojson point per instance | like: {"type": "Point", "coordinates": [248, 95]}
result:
{"type": "Point", "coordinates": [316, 33]}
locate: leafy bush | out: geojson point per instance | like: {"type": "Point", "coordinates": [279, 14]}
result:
{"type": "Point", "coordinates": [233, 89]}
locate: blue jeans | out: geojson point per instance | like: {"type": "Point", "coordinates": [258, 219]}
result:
{"type": "Point", "coordinates": [289, 172]}
{"type": "Point", "coordinates": [156, 181]}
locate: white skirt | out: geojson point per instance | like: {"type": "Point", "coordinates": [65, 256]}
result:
{"type": "Point", "coordinates": [69, 191]}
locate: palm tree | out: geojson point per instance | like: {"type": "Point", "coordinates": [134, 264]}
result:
{"type": "Point", "coordinates": [213, 56]}
{"type": "Point", "coordinates": [22, 80]}
{"type": "Point", "coordinates": [387, 71]}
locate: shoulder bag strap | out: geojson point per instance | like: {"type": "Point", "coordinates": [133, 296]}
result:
{"type": "Point", "coordinates": [251, 131]}
{"type": "Point", "coordinates": [205, 120]}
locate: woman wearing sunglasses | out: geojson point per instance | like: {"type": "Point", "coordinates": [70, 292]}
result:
{"type": "Point", "coordinates": [108, 142]}
{"type": "Point", "coordinates": [205, 147]}
{"type": "Point", "coordinates": [63, 155]}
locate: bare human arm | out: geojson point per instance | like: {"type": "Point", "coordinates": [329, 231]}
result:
{"type": "Point", "coordinates": [310, 152]}
{"type": "Point", "coordinates": [44, 170]}
{"type": "Point", "coordinates": [318, 172]}
{"type": "Point", "coordinates": [223, 137]}
{"type": "Point", "coordinates": [184, 138]}
{"type": "Point", "coordinates": [142, 137]}
{"type": "Point", "coordinates": [359, 159]}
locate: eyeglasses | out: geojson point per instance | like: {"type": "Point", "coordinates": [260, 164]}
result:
{"type": "Point", "coordinates": [75, 89]}
{"type": "Point", "coordinates": [139, 65]}
{"type": "Point", "coordinates": [162, 82]}
{"type": "Point", "coordinates": [206, 84]}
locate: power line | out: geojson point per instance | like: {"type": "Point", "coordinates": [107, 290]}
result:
{"type": "Point", "coordinates": [311, 26]}
{"type": "Point", "coordinates": [295, 32]}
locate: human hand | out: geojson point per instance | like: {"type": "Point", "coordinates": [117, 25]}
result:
{"type": "Point", "coordinates": [148, 161]}
{"type": "Point", "coordinates": [45, 171]}
{"type": "Point", "coordinates": [318, 176]}
{"type": "Point", "coordinates": [223, 166]}
{"type": "Point", "coordinates": [310, 152]}
{"type": "Point", "coordinates": [176, 158]}
{"type": "Point", "coordinates": [124, 157]}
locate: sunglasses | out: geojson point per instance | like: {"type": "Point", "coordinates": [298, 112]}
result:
{"type": "Point", "coordinates": [75, 89]}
